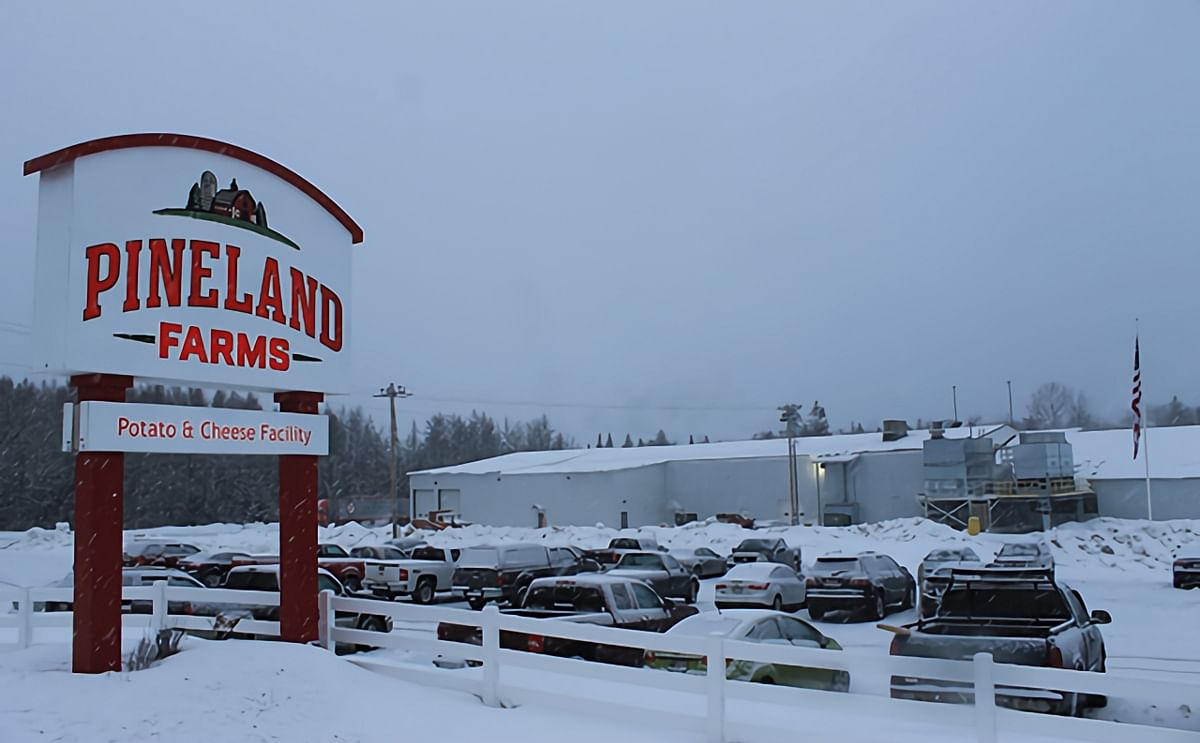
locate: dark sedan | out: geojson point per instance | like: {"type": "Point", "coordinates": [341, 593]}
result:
{"type": "Point", "coordinates": [663, 572]}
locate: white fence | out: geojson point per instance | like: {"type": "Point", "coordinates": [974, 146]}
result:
{"type": "Point", "coordinates": [721, 710]}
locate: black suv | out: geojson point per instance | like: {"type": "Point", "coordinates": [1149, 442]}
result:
{"type": "Point", "coordinates": [870, 582]}
{"type": "Point", "coordinates": [502, 573]}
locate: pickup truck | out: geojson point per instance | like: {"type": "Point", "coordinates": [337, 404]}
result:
{"type": "Point", "coordinates": [1021, 616]}
{"type": "Point", "coordinates": [503, 572]}
{"type": "Point", "coordinates": [662, 571]}
{"type": "Point", "coordinates": [428, 571]}
{"type": "Point", "coordinates": [589, 599]}
{"type": "Point", "coordinates": [617, 547]}
{"type": "Point", "coordinates": [767, 550]}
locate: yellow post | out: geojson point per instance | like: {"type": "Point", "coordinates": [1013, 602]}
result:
{"type": "Point", "coordinates": [973, 525]}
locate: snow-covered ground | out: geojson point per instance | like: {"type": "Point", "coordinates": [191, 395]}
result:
{"type": "Point", "coordinates": [1122, 566]}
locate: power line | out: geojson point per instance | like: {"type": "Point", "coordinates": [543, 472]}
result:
{"type": "Point", "coordinates": [602, 406]}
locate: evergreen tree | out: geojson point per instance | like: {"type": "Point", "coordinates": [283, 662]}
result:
{"type": "Point", "coordinates": [608, 444]}
{"type": "Point", "coordinates": [628, 442]}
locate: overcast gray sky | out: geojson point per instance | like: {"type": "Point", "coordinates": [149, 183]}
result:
{"type": "Point", "coordinates": [680, 214]}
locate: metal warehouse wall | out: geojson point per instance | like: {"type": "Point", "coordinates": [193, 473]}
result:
{"type": "Point", "coordinates": [1173, 499]}
{"type": "Point", "coordinates": [580, 498]}
{"type": "Point", "coordinates": [753, 487]}
{"type": "Point", "coordinates": [883, 484]}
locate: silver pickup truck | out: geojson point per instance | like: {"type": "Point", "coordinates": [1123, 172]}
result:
{"type": "Point", "coordinates": [1020, 616]}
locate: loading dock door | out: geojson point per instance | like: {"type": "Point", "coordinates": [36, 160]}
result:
{"type": "Point", "coordinates": [424, 501]}
{"type": "Point", "coordinates": [449, 500]}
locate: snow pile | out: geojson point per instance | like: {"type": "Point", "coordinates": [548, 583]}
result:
{"type": "Point", "coordinates": [1125, 544]}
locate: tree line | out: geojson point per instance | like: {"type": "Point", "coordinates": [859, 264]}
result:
{"type": "Point", "coordinates": [37, 477]}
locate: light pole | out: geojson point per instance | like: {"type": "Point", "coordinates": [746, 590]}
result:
{"type": "Point", "coordinates": [789, 415]}
{"type": "Point", "coordinates": [392, 391]}
{"type": "Point", "coordinates": [1010, 407]}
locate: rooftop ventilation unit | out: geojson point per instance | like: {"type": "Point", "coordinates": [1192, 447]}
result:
{"type": "Point", "coordinates": [894, 430]}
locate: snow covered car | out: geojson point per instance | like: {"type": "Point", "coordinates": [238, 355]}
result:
{"type": "Point", "coordinates": [1024, 555]}
{"type": "Point", "coordinates": [133, 577]}
{"type": "Point", "coordinates": [1185, 572]}
{"type": "Point", "coordinates": [702, 561]}
{"type": "Point", "coordinates": [867, 581]}
{"type": "Point", "coordinates": [766, 550]}
{"type": "Point", "coordinates": [759, 626]}
{"type": "Point", "coordinates": [210, 567]}
{"type": "Point", "coordinates": [663, 572]}
{"type": "Point", "coordinates": [428, 571]}
{"type": "Point", "coordinates": [761, 584]}
{"type": "Point", "coordinates": [934, 573]}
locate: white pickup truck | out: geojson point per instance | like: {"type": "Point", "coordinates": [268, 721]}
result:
{"type": "Point", "coordinates": [429, 571]}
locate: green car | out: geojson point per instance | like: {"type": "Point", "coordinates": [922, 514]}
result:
{"type": "Point", "coordinates": [755, 625]}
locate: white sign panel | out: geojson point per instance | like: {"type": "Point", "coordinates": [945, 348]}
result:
{"type": "Point", "coordinates": [181, 429]}
{"type": "Point", "coordinates": [179, 259]}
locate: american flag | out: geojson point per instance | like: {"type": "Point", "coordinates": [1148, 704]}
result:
{"type": "Point", "coordinates": [1136, 405]}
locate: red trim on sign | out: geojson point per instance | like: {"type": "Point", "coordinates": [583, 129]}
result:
{"type": "Point", "coordinates": [187, 141]}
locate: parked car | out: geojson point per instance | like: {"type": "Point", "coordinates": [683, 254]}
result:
{"type": "Point", "coordinates": [210, 567]}
{"type": "Point", "coordinates": [663, 572]}
{"type": "Point", "coordinates": [758, 626]}
{"type": "Point", "coordinates": [766, 550]}
{"type": "Point", "coordinates": [761, 584]}
{"type": "Point", "coordinates": [500, 573]}
{"type": "Point", "coordinates": [1185, 572]}
{"type": "Point", "coordinates": [934, 573]}
{"type": "Point", "coordinates": [266, 578]}
{"type": "Point", "coordinates": [1024, 555]}
{"type": "Point", "coordinates": [157, 553]}
{"type": "Point", "coordinates": [380, 552]}
{"type": "Point", "coordinates": [1020, 616]}
{"type": "Point", "coordinates": [702, 561]}
{"type": "Point", "coordinates": [597, 598]}
{"type": "Point", "coordinates": [132, 577]}
{"type": "Point", "coordinates": [865, 582]}
{"type": "Point", "coordinates": [621, 545]}
{"type": "Point", "coordinates": [422, 576]}
{"type": "Point", "coordinates": [348, 570]}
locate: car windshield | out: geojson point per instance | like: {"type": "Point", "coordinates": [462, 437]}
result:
{"type": "Point", "coordinates": [708, 623]}
{"type": "Point", "coordinates": [835, 565]}
{"type": "Point", "coordinates": [1019, 550]}
{"type": "Point", "coordinates": [640, 561]}
{"type": "Point", "coordinates": [944, 556]}
{"type": "Point", "coordinates": [624, 544]}
{"type": "Point", "coordinates": [252, 581]}
{"type": "Point", "coordinates": [751, 545]}
{"type": "Point", "coordinates": [479, 557]}
{"type": "Point", "coordinates": [565, 598]}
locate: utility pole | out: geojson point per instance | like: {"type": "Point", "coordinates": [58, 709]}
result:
{"type": "Point", "coordinates": [790, 415]}
{"type": "Point", "coordinates": [1010, 407]}
{"type": "Point", "coordinates": [954, 391]}
{"type": "Point", "coordinates": [392, 391]}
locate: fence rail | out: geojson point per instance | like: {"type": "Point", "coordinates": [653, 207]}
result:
{"type": "Point", "coordinates": [713, 706]}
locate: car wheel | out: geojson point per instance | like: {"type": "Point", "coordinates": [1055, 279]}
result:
{"type": "Point", "coordinates": [878, 607]}
{"type": "Point", "coordinates": [477, 603]}
{"type": "Point", "coordinates": [212, 580]}
{"type": "Point", "coordinates": [693, 591]}
{"type": "Point", "coordinates": [424, 592]}
{"type": "Point", "coordinates": [353, 583]}
{"type": "Point", "coordinates": [777, 603]}
{"type": "Point", "coordinates": [816, 613]}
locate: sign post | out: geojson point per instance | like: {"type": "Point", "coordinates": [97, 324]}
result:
{"type": "Point", "coordinates": [150, 269]}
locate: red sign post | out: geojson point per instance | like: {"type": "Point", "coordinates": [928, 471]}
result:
{"type": "Point", "coordinates": [139, 277]}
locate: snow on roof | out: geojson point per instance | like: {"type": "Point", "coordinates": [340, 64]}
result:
{"type": "Point", "coordinates": [569, 461]}
{"type": "Point", "coordinates": [1108, 455]}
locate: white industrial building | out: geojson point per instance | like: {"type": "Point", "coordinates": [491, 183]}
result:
{"type": "Point", "coordinates": [854, 478]}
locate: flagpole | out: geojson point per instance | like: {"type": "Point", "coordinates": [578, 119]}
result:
{"type": "Point", "coordinates": [1145, 437]}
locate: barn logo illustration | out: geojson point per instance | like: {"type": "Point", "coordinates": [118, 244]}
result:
{"type": "Point", "coordinates": [233, 206]}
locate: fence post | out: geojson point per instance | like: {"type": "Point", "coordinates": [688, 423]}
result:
{"type": "Point", "coordinates": [985, 698]}
{"type": "Point", "coordinates": [158, 607]}
{"type": "Point", "coordinates": [490, 626]}
{"type": "Point", "coordinates": [326, 616]}
{"type": "Point", "coordinates": [715, 682]}
{"type": "Point", "coordinates": [25, 619]}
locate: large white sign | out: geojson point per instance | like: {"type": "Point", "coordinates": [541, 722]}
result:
{"type": "Point", "coordinates": [181, 259]}
{"type": "Point", "coordinates": [180, 429]}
